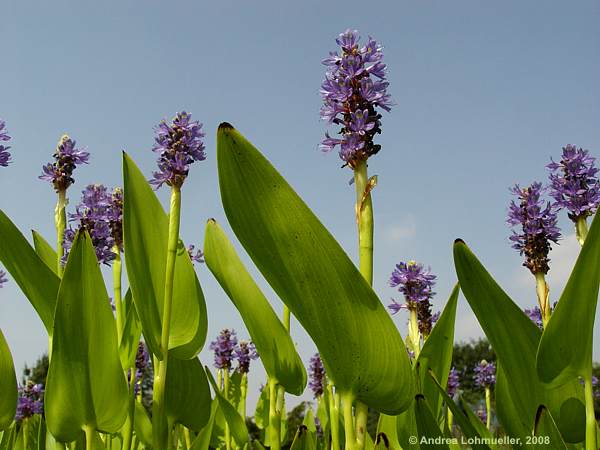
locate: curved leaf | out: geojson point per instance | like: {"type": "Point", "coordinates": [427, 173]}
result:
{"type": "Point", "coordinates": [37, 281]}
{"type": "Point", "coordinates": [8, 386]}
{"type": "Point", "coordinates": [361, 348]}
{"type": "Point", "coordinates": [545, 428]}
{"type": "Point", "coordinates": [427, 426]}
{"type": "Point", "coordinates": [132, 331]}
{"type": "Point", "coordinates": [45, 251]}
{"type": "Point", "coordinates": [565, 351]}
{"type": "Point", "coordinates": [187, 393]}
{"type": "Point", "coordinates": [273, 343]}
{"type": "Point", "coordinates": [142, 425]}
{"type": "Point", "coordinates": [86, 385]}
{"type": "Point", "coordinates": [145, 233]}
{"type": "Point", "coordinates": [202, 441]}
{"type": "Point", "coordinates": [436, 354]}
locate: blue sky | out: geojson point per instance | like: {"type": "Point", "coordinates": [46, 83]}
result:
{"type": "Point", "coordinates": [485, 93]}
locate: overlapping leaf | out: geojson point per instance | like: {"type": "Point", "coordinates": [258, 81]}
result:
{"type": "Point", "coordinates": [145, 232]}
{"type": "Point", "coordinates": [8, 385]}
{"type": "Point", "coordinates": [45, 251]}
{"type": "Point", "coordinates": [360, 346]}
{"type": "Point", "coordinates": [86, 385]}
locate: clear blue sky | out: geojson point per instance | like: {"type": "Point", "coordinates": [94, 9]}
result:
{"type": "Point", "coordinates": [486, 92]}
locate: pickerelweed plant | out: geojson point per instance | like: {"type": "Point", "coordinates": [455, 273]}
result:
{"type": "Point", "coordinates": [129, 376]}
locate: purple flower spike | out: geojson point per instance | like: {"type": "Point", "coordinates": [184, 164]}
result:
{"type": "Point", "coordinates": [100, 213]}
{"type": "Point", "coordinates": [316, 374]}
{"type": "Point", "coordinates": [535, 314]}
{"type": "Point", "coordinates": [30, 401]}
{"type": "Point", "coordinates": [66, 158]}
{"type": "Point", "coordinates": [195, 255]}
{"type": "Point", "coordinates": [353, 89]}
{"type": "Point", "coordinates": [485, 374]}
{"type": "Point", "coordinates": [224, 348]}
{"type": "Point", "coordinates": [179, 144]}
{"type": "Point", "coordinates": [3, 279]}
{"type": "Point", "coordinates": [574, 184]}
{"type": "Point", "coordinates": [537, 227]}
{"type": "Point", "coordinates": [245, 352]}
{"type": "Point", "coordinates": [4, 137]}
{"type": "Point", "coordinates": [453, 382]}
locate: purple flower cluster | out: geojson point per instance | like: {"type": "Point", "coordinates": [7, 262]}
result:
{"type": "Point", "coordinates": [574, 184]}
{"type": "Point", "coordinates": [178, 144]}
{"type": "Point", "coordinates": [224, 348]}
{"type": "Point", "coordinates": [3, 278]}
{"type": "Point", "coordinates": [535, 314]}
{"type": "Point", "coordinates": [142, 360]}
{"type": "Point", "coordinates": [316, 374]}
{"type": "Point", "coordinates": [536, 220]}
{"type": "Point", "coordinates": [485, 374]}
{"type": "Point", "coordinates": [100, 213]}
{"type": "Point", "coordinates": [30, 402]}
{"type": "Point", "coordinates": [66, 158]}
{"type": "Point", "coordinates": [4, 137]}
{"type": "Point", "coordinates": [195, 255]}
{"type": "Point", "coordinates": [453, 382]}
{"type": "Point", "coordinates": [245, 352]}
{"type": "Point", "coordinates": [353, 88]}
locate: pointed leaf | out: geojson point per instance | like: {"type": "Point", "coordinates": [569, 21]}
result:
{"type": "Point", "coordinates": [565, 350]}
{"type": "Point", "coordinates": [273, 343]}
{"type": "Point", "coordinates": [406, 426]}
{"type": "Point", "coordinates": [304, 439]}
{"type": "Point", "coordinates": [142, 425]}
{"type": "Point", "coordinates": [8, 385]}
{"type": "Point", "coordinates": [45, 251]}
{"type": "Point", "coordinates": [314, 277]}
{"type": "Point", "coordinates": [86, 385]}
{"type": "Point", "coordinates": [36, 280]}
{"type": "Point", "coordinates": [427, 425]}
{"type": "Point", "coordinates": [202, 441]}
{"type": "Point", "coordinates": [546, 430]}
{"type": "Point", "coordinates": [187, 393]}
{"type": "Point", "coordinates": [132, 331]}
{"type": "Point", "coordinates": [145, 234]}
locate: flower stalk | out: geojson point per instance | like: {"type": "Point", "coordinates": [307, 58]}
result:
{"type": "Point", "coordinates": [590, 417]}
{"type": "Point", "coordinates": [581, 229]}
{"type": "Point", "coordinates": [60, 221]}
{"type": "Point", "coordinates": [334, 417]}
{"type": "Point", "coordinates": [117, 275]}
{"type": "Point", "coordinates": [274, 429]}
{"type": "Point", "coordinates": [543, 295]}
{"type": "Point", "coordinates": [488, 407]}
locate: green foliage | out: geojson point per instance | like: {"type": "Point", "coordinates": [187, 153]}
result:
{"type": "Point", "coordinates": [8, 385]}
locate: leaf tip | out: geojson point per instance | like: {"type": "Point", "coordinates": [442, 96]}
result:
{"type": "Point", "coordinates": [211, 221]}
{"type": "Point", "coordinates": [459, 241]}
{"type": "Point", "coordinates": [225, 126]}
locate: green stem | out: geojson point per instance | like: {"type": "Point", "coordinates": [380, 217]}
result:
{"type": "Point", "coordinates": [488, 407]}
{"type": "Point", "coordinates": [90, 438]}
{"type": "Point", "coordinates": [413, 332]}
{"type": "Point", "coordinates": [160, 430]}
{"type": "Point", "coordinates": [274, 417]}
{"type": "Point", "coordinates": [543, 292]}
{"type": "Point", "coordinates": [581, 229]}
{"type": "Point", "coordinates": [362, 413]}
{"type": "Point", "coordinates": [243, 395]}
{"type": "Point", "coordinates": [188, 438]}
{"type": "Point", "coordinates": [590, 417]}
{"type": "Point", "coordinates": [347, 400]}
{"type": "Point", "coordinates": [286, 318]}
{"type": "Point", "coordinates": [117, 275]}
{"type": "Point", "coordinates": [364, 218]}
{"type": "Point", "coordinates": [450, 419]}
{"type": "Point", "coordinates": [60, 221]}
{"type": "Point", "coordinates": [226, 395]}
{"type": "Point", "coordinates": [334, 417]}
{"type": "Point", "coordinates": [128, 433]}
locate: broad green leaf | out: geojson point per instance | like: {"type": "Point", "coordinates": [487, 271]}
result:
{"type": "Point", "coordinates": [273, 343]}
{"type": "Point", "coordinates": [142, 425]}
{"type": "Point", "coordinates": [132, 331]}
{"type": "Point", "coordinates": [261, 414]}
{"type": "Point", "coordinates": [406, 427]}
{"type": "Point", "coordinates": [309, 420]}
{"type": "Point", "coordinates": [565, 350]}
{"type": "Point", "coordinates": [187, 393]}
{"type": "Point", "coordinates": [234, 394]}
{"type": "Point", "coordinates": [37, 281]}
{"type": "Point", "coordinates": [546, 431]}
{"type": "Point", "coordinates": [145, 233]}
{"type": "Point", "coordinates": [427, 426]}
{"type": "Point", "coordinates": [45, 251]}
{"type": "Point", "coordinates": [436, 354]}
{"type": "Point", "coordinates": [304, 439]}
{"type": "Point", "coordinates": [362, 349]}
{"type": "Point", "coordinates": [387, 433]}
{"type": "Point", "coordinates": [467, 428]}
{"type": "Point", "coordinates": [202, 441]}
{"type": "Point", "coordinates": [86, 385]}
{"type": "Point", "coordinates": [8, 385]}
{"type": "Point", "coordinates": [515, 340]}
{"type": "Point", "coordinates": [235, 421]}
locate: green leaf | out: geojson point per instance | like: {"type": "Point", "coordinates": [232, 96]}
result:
{"type": "Point", "coordinates": [304, 439]}
{"type": "Point", "coordinates": [261, 414]}
{"type": "Point", "coordinates": [132, 331]}
{"type": "Point", "coordinates": [309, 420]}
{"type": "Point", "coordinates": [8, 385]}
{"type": "Point", "coordinates": [86, 385]}
{"type": "Point", "coordinates": [187, 393]}
{"type": "Point", "coordinates": [142, 425]}
{"type": "Point", "coordinates": [546, 430]}
{"type": "Point", "coordinates": [362, 349]}
{"type": "Point", "coordinates": [45, 251]}
{"type": "Point", "coordinates": [387, 433]}
{"type": "Point", "coordinates": [565, 350]}
{"type": "Point", "coordinates": [406, 427]}
{"type": "Point", "coordinates": [515, 340]}
{"type": "Point", "coordinates": [436, 354]}
{"type": "Point", "coordinates": [145, 233]}
{"type": "Point", "coordinates": [427, 425]}
{"type": "Point", "coordinates": [273, 343]}
{"type": "Point", "coordinates": [235, 421]}
{"type": "Point", "coordinates": [36, 280]}
{"type": "Point", "coordinates": [202, 441]}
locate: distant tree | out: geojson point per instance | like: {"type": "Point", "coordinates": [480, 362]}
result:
{"type": "Point", "coordinates": [465, 357]}
{"type": "Point", "coordinates": [38, 373]}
